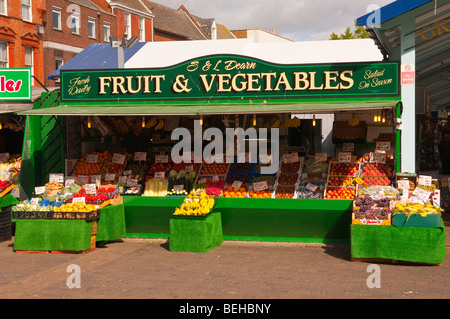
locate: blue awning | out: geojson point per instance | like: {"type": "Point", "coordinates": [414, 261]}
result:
{"type": "Point", "coordinates": [96, 56]}
{"type": "Point", "coordinates": [392, 10]}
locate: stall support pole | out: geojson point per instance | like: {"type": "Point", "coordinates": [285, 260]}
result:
{"type": "Point", "coordinates": [408, 94]}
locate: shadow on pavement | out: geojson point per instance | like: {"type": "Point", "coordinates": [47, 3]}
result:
{"type": "Point", "coordinates": [341, 251]}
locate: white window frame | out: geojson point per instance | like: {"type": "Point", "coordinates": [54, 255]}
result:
{"type": "Point", "coordinates": [127, 17]}
{"type": "Point", "coordinates": [141, 29]}
{"type": "Point", "coordinates": [6, 61]}
{"type": "Point", "coordinates": [27, 9]}
{"type": "Point", "coordinates": [93, 22]}
{"type": "Point", "coordinates": [107, 34]}
{"type": "Point", "coordinates": [31, 66]}
{"type": "Point", "coordinates": [61, 60]}
{"type": "Point", "coordinates": [76, 16]}
{"type": "Point", "coordinates": [59, 21]}
{"type": "Point", "coordinates": [3, 7]}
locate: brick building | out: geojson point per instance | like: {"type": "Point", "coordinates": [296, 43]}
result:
{"type": "Point", "coordinates": [21, 42]}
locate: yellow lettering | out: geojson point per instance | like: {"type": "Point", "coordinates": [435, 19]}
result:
{"type": "Point", "coordinates": [252, 79]}
{"type": "Point", "coordinates": [423, 35]}
{"type": "Point", "coordinates": [234, 84]}
{"type": "Point", "coordinates": [329, 78]}
{"type": "Point", "coordinates": [301, 78]}
{"type": "Point", "coordinates": [207, 86]}
{"type": "Point", "coordinates": [282, 80]}
{"type": "Point", "coordinates": [157, 86]}
{"type": "Point", "coordinates": [117, 82]}
{"type": "Point", "coordinates": [313, 86]}
{"type": "Point", "coordinates": [346, 79]}
{"type": "Point", "coordinates": [223, 79]}
{"type": "Point", "coordinates": [103, 83]}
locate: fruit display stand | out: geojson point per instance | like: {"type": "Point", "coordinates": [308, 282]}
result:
{"type": "Point", "coordinates": [341, 180]}
{"type": "Point", "coordinates": [193, 226]}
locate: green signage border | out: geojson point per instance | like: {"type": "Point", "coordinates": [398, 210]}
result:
{"type": "Point", "coordinates": [15, 84]}
{"type": "Point", "coordinates": [231, 77]}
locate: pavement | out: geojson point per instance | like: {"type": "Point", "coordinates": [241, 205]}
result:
{"type": "Point", "coordinates": [235, 270]}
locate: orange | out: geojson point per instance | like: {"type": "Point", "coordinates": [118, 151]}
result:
{"type": "Point", "coordinates": [242, 189]}
{"type": "Point", "coordinates": [229, 188]}
{"type": "Point", "coordinates": [232, 194]}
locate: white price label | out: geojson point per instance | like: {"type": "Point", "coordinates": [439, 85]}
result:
{"type": "Point", "coordinates": [348, 147]}
{"type": "Point", "coordinates": [69, 181]}
{"type": "Point", "coordinates": [178, 187]}
{"type": "Point", "coordinates": [34, 201]}
{"type": "Point", "coordinates": [377, 194]}
{"type": "Point", "coordinates": [403, 184]}
{"type": "Point", "coordinates": [83, 179]}
{"type": "Point", "coordinates": [92, 158]}
{"type": "Point", "coordinates": [122, 179]}
{"type": "Point", "coordinates": [160, 175]}
{"type": "Point", "coordinates": [424, 180]}
{"type": "Point", "coordinates": [140, 156]}
{"type": "Point", "coordinates": [345, 157]}
{"type": "Point", "coordinates": [311, 187]}
{"type": "Point", "coordinates": [127, 172]}
{"type": "Point", "coordinates": [290, 158]}
{"type": "Point", "coordinates": [383, 146]}
{"type": "Point", "coordinates": [56, 178]}
{"type": "Point", "coordinates": [260, 186]}
{"type": "Point", "coordinates": [110, 177]}
{"type": "Point", "coordinates": [118, 158]}
{"type": "Point", "coordinates": [377, 158]}
{"type": "Point", "coordinates": [320, 157]}
{"type": "Point", "coordinates": [162, 159]}
{"type": "Point", "coordinates": [236, 184]}
{"type": "Point", "coordinates": [81, 199]}
{"type": "Point", "coordinates": [39, 190]}
{"type": "Point", "coordinates": [90, 188]}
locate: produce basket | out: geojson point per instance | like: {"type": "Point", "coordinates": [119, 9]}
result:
{"type": "Point", "coordinates": [136, 190]}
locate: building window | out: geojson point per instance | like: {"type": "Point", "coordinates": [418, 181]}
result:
{"type": "Point", "coordinates": [106, 31]}
{"type": "Point", "coordinates": [58, 63]}
{"type": "Point", "coordinates": [141, 29]}
{"type": "Point", "coordinates": [3, 7]}
{"type": "Point", "coordinates": [128, 25]}
{"type": "Point", "coordinates": [91, 27]}
{"type": "Point", "coordinates": [56, 13]}
{"type": "Point", "coordinates": [3, 54]}
{"type": "Point", "coordinates": [75, 23]}
{"type": "Point", "coordinates": [26, 10]}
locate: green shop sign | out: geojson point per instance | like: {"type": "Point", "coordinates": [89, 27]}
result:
{"type": "Point", "coordinates": [15, 84]}
{"type": "Point", "coordinates": [229, 77]}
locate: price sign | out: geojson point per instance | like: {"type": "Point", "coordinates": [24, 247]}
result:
{"type": "Point", "coordinates": [290, 158]}
{"type": "Point", "coordinates": [127, 172]}
{"type": "Point", "coordinates": [39, 190]}
{"type": "Point", "coordinates": [424, 180]}
{"type": "Point", "coordinates": [383, 146]}
{"type": "Point", "coordinates": [92, 158]}
{"type": "Point", "coordinates": [345, 157]}
{"type": "Point", "coordinates": [201, 180]}
{"type": "Point", "coordinates": [377, 158]}
{"type": "Point", "coordinates": [311, 187]}
{"type": "Point", "coordinates": [118, 158]}
{"type": "Point", "coordinates": [90, 188]}
{"type": "Point", "coordinates": [34, 201]}
{"type": "Point", "coordinates": [348, 147]}
{"type": "Point", "coordinates": [162, 159]}
{"type": "Point", "coordinates": [131, 182]}
{"type": "Point", "coordinates": [140, 156]}
{"type": "Point", "coordinates": [56, 178]}
{"type": "Point", "coordinates": [160, 175]}
{"type": "Point", "coordinates": [122, 179]}
{"type": "Point", "coordinates": [320, 157]}
{"type": "Point", "coordinates": [69, 181]}
{"type": "Point", "coordinates": [83, 179]}
{"type": "Point", "coordinates": [377, 194]}
{"type": "Point", "coordinates": [403, 184]}
{"type": "Point", "coordinates": [178, 187]}
{"type": "Point", "coordinates": [236, 184]}
{"type": "Point", "coordinates": [110, 177]}
{"type": "Point", "coordinates": [81, 199]}
{"type": "Point", "coordinates": [95, 178]}
{"type": "Point", "coordinates": [4, 157]}
{"type": "Point", "coordinates": [260, 186]}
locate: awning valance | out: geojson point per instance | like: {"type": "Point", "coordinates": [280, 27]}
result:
{"type": "Point", "coordinates": [317, 106]}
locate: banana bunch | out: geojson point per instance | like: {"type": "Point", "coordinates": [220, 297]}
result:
{"type": "Point", "coordinates": [294, 122]}
{"type": "Point", "coordinates": [151, 123]}
{"type": "Point", "coordinates": [120, 124]}
{"type": "Point", "coordinates": [353, 181]}
{"type": "Point", "coordinates": [276, 124]}
{"type": "Point", "coordinates": [160, 125]}
{"type": "Point", "coordinates": [422, 209]}
{"type": "Point", "coordinates": [353, 121]}
{"type": "Point", "coordinates": [195, 205]}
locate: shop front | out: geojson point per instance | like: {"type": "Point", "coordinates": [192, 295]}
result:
{"type": "Point", "coordinates": [226, 123]}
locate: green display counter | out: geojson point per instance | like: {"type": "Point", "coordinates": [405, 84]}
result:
{"type": "Point", "coordinates": [69, 235]}
{"type": "Point", "coordinates": [53, 235]}
{"type": "Point", "coordinates": [111, 225]}
{"type": "Point", "coordinates": [410, 244]}
{"type": "Point", "coordinates": [195, 235]}
{"type": "Point", "coordinates": [271, 219]}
